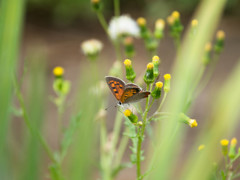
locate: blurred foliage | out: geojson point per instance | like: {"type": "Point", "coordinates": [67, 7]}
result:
{"type": "Point", "coordinates": [65, 12]}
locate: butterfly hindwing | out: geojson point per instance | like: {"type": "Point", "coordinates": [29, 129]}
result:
{"type": "Point", "coordinates": [137, 97]}
{"type": "Point", "coordinates": [116, 85]}
{"type": "Point", "coordinates": [129, 92]}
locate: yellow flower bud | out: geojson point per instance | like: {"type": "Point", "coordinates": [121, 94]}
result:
{"type": "Point", "coordinates": [127, 112]}
{"type": "Point", "coordinates": [170, 20]}
{"type": "Point", "coordinates": [208, 47]}
{"type": "Point", "coordinates": [128, 40]}
{"type": "Point", "coordinates": [155, 59]}
{"type": "Point", "coordinates": [175, 15]}
{"type": "Point", "coordinates": [234, 141]}
{"type": "Point", "coordinates": [220, 35]}
{"type": "Point", "coordinates": [201, 147]}
{"type": "Point", "coordinates": [193, 123]}
{"type": "Point", "coordinates": [141, 21]}
{"type": "Point", "coordinates": [95, 1]}
{"type": "Point", "coordinates": [159, 84]}
{"type": "Point", "coordinates": [58, 71]}
{"type": "Point", "coordinates": [127, 62]}
{"type": "Point", "coordinates": [140, 123]}
{"type": "Point", "coordinates": [150, 66]}
{"type": "Point", "coordinates": [194, 23]}
{"type": "Point", "coordinates": [167, 76]}
{"type": "Point", "coordinates": [224, 142]}
{"type": "Point", "coordinates": [160, 24]}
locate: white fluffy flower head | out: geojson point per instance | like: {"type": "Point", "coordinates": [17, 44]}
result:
{"type": "Point", "coordinates": [91, 47]}
{"type": "Point", "coordinates": [123, 25]}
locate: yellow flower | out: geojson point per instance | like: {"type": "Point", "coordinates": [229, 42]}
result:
{"type": "Point", "coordinates": [193, 123]}
{"type": "Point", "coordinates": [220, 35]}
{"type": "Point", "coordinates": [194, 23]}
{"type": "Point", "coordinates": [141, 21]}
{"type": "Point", "coordinates": [167, 76]}
{"type": "Point", "coordinates": [150, 66]}
{"type": "Point", "coordinates": [58, 71]}
{"type": "Point", "coordinates": [201, 147]}
{"type": "Point", "coordinates": [224, 142]}
{"type": "Point", "coordinates": [128, 62]}
{"type": "Point", "coordinates": [127, 112]}
{"type": "Point", "coordinates": [159, 84]}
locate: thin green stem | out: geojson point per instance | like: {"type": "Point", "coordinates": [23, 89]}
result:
{"type": "Point", "coordinates": [116, 131]}
{"type": "Point", "coordinates": [32, 130]}
{"type": "Point", "coordinates": [103, 138]}
{"type": "Point", "coordinates": [141, 135]}
{"type": "Point", "coordinates": [139, 147]}
{"type": "Point", "coordinates": [122, 148]}
{"type": "Point", "coordinates": [162, 102]}
{"type": "Point", "coordinates": [102, 21]}
{"type": "Point", "coordinates": [116, 44]}
{"type": "Point", "coordinates": [116, 8]}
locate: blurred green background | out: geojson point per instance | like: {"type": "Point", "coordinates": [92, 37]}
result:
{"type": "Point", "coordinates": [52, 31]}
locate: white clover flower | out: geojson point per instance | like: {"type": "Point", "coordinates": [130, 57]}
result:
{"type": "Point", "coordinates": [123, 25]}
{"type": "Point", "coordinates": [91, 47]}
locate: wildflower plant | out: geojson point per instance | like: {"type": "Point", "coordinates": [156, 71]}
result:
{"type": "Point", "coordinates": [140, 117]}
{"type": "Point", "coordinates": [231, 155]}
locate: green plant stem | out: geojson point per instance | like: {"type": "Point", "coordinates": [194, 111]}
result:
{"type": "Point", "coordinates": [103, 139]}
{"type": "Point", "coordinates": [116, 44]}
{"type": "Point", "coordinates": [116, 8]}
{"type": "Point", "coordinates": [162, 102]}
{"type": "Point", "coordinates": [139, 147]}
{"type": "Point", "coordinates": [209, 74]}
{"type": "Point", "coordinates": [141, 136]}
{"type": "Point", "coordinates": [32, 130]}
{"type": "Point", "coordinates": [116, 131]}
{"type": "Point", "coordinates": [102, 21]}
{"type": "Point", "coordinates": [122, 148]}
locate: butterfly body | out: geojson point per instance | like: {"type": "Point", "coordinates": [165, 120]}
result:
{"type": "Point", "coordinates": [125, 93]}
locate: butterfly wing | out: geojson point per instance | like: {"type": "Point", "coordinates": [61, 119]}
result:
{"type": "Point", "coordinates": [137, 97]}
{"type": "Point", "coordinates": [116, 85]}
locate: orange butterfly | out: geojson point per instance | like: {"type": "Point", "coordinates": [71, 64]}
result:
{"type": "Point", "coordinates": [125, 93]}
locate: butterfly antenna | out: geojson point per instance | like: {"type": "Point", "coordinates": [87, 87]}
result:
{"type": "Point", "coordinates": [109, 107]}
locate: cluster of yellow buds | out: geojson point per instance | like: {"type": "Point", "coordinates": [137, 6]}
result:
{"type": "Point", "coordinates": [150, 41]}
{"type": "Point", "coordinates": [175, 24]}
{"type": "Point", "coordinates": [230, 151]}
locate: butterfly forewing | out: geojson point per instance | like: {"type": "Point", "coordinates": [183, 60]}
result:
{"type": "Point", "coordinates": [116, 85]}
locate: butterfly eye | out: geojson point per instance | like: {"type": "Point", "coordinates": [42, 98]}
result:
{"type": "Point", "coordinates": [119, 103]}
